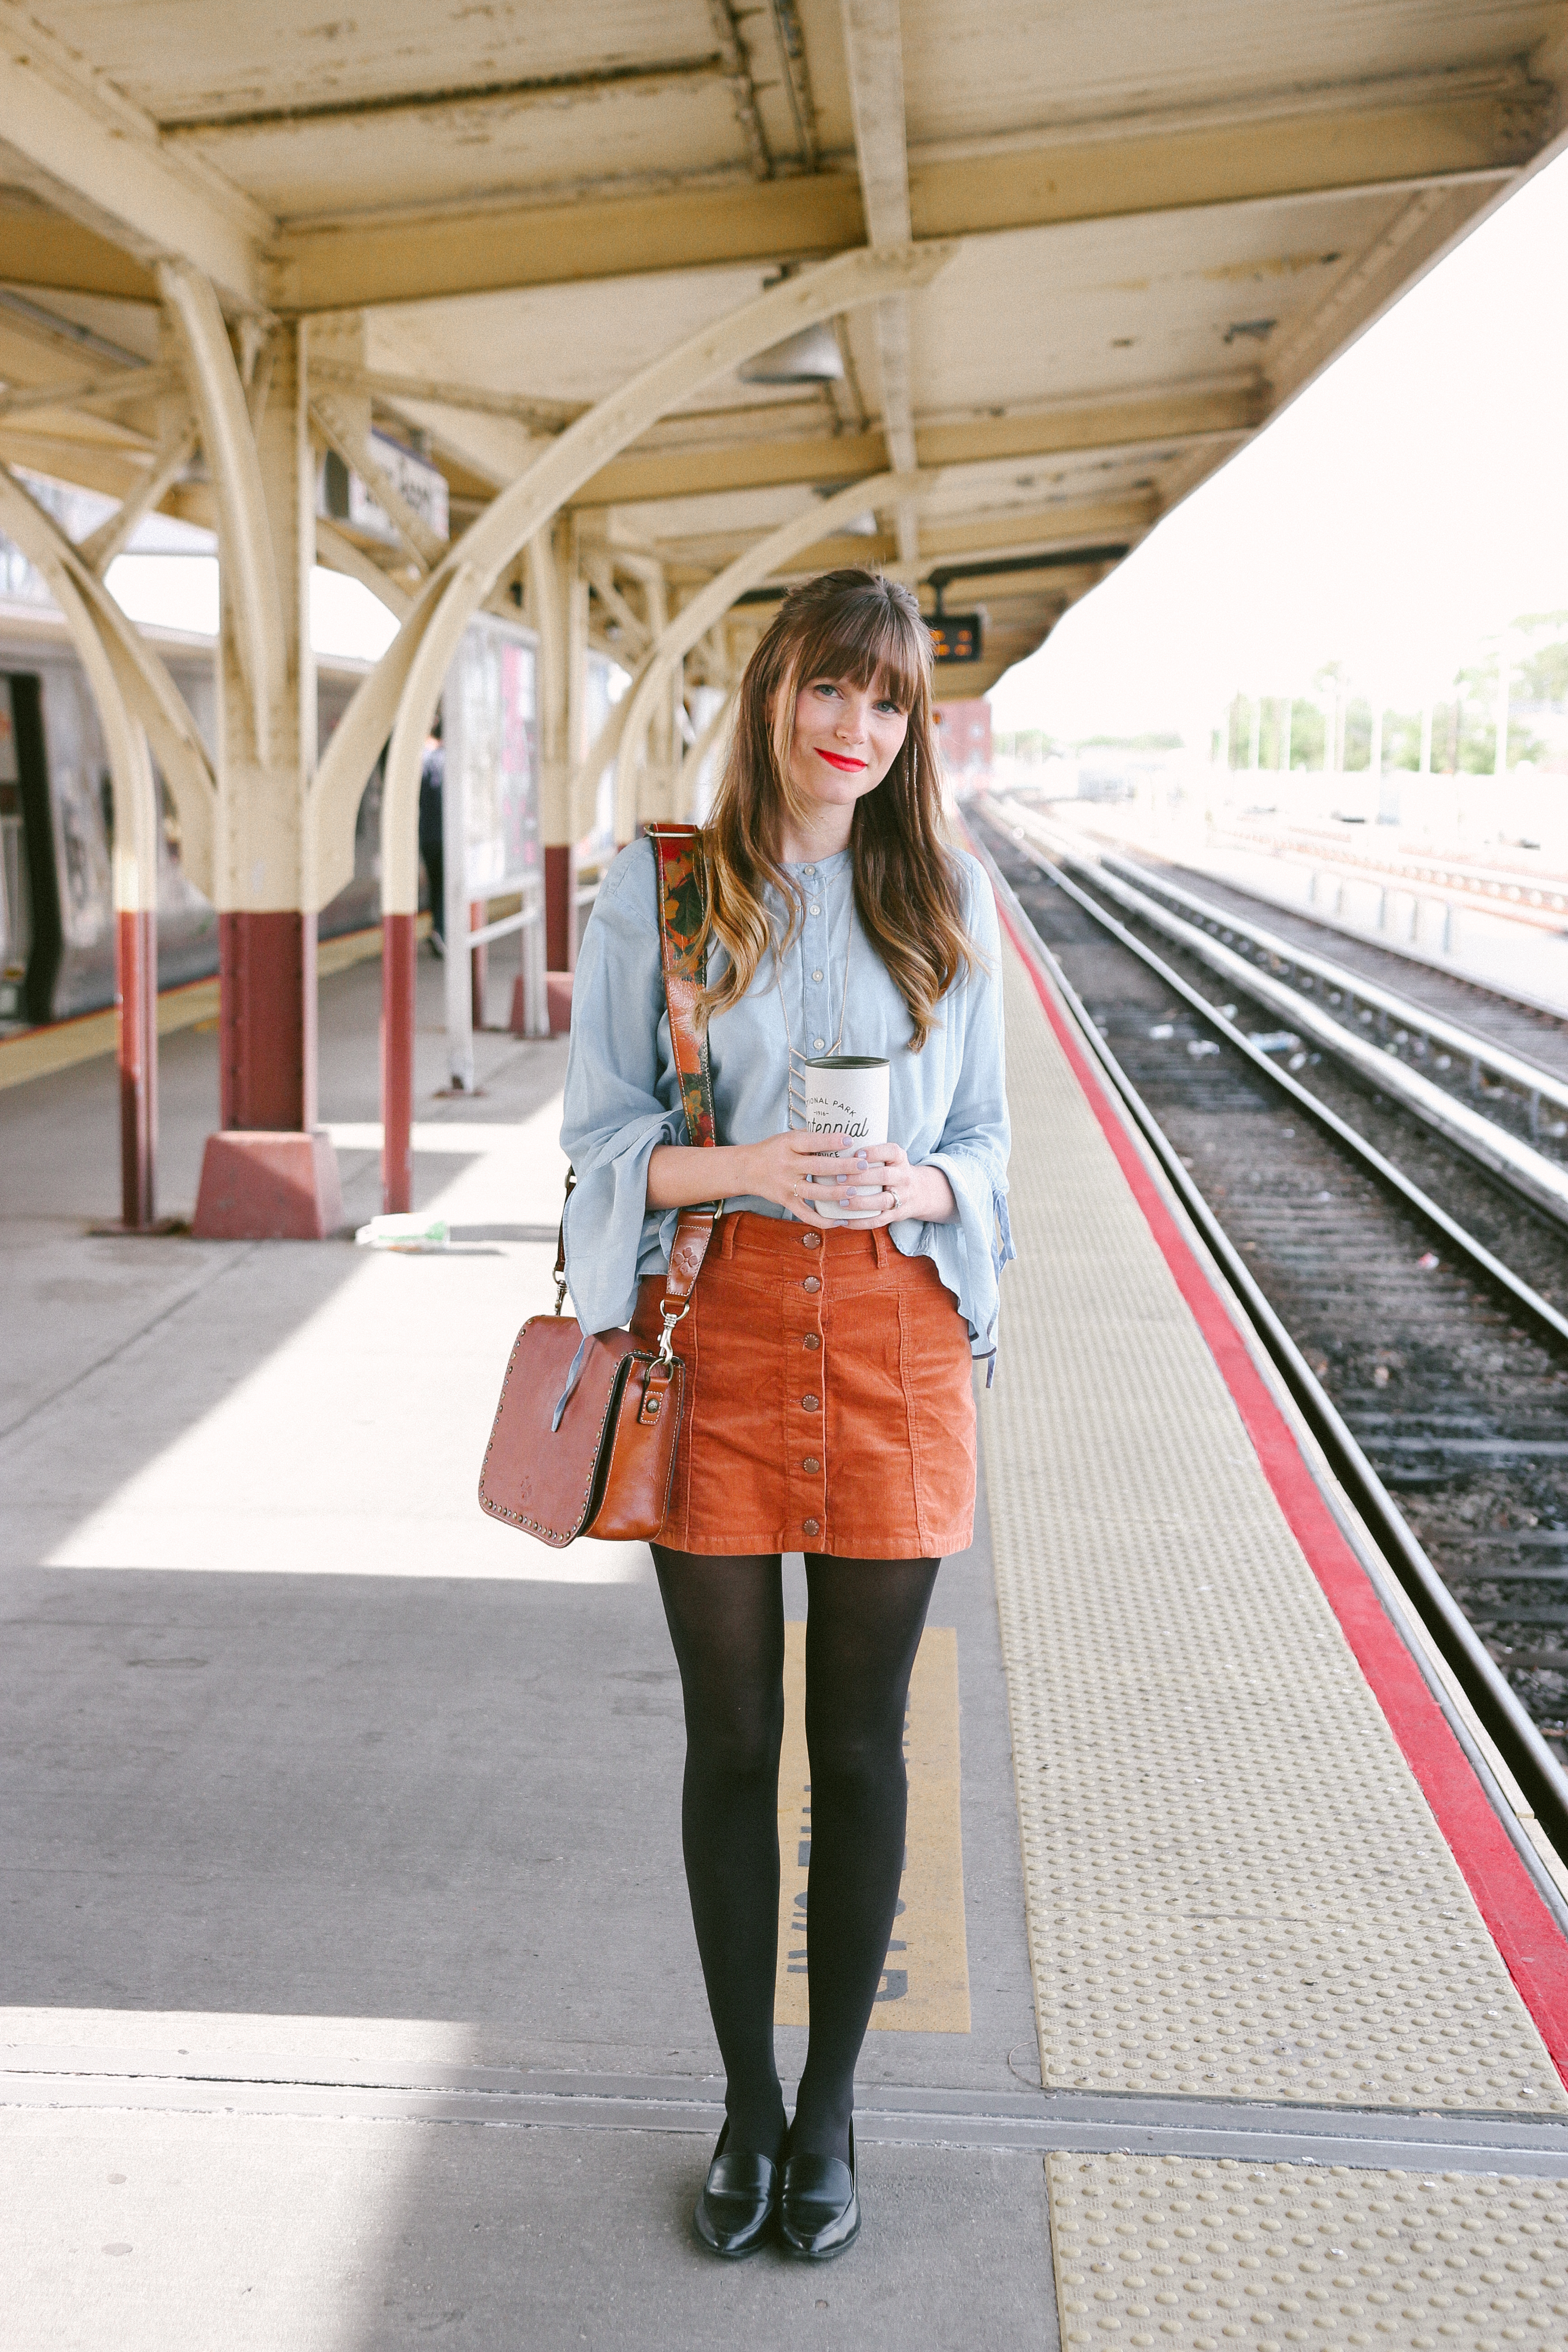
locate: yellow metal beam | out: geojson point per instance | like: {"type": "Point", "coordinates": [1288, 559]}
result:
{"type": "Point", "coordinates": [343, 265]}
{"type": "Point", "coordinates": [92, 464]}
{"type": "Point", "coordinates": [39, 247]}
{"type": "Point", "coordinates": [1094, 425]}
{"type": "Point", "coordinates": [741, 466]}
{"type": "Point", "coordinates": [1336, 140]}
{"type": "Point", "coordinates": [1486, 133]}
{"type": "Point", "coordinates": [1041, 528]}
{"type": "Point", "coordinates": [971, 441]}
{"type": "Point", "coordinates": [124, 199]}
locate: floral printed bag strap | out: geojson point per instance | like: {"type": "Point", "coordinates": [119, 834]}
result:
{"type": "Point", "coordinates": [682, 911]}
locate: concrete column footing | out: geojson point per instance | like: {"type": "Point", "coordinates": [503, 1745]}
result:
{"type": "Point", "coordinates": [260, 1184]}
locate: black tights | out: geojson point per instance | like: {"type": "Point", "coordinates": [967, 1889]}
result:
{"type": "Point", "coordinates": [863, 1628]}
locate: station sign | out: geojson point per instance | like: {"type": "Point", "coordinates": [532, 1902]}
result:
{"type": "Point", "coordinates": [955, 636]}
{"type": "Point", "coordinates": [341, 497]}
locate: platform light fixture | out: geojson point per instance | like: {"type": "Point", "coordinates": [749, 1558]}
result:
{"type": "Point", "coordinates": [811, 356]}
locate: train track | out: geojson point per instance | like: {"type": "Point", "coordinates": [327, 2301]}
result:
{"type": "Point", "coordinates": [1414, 1298]}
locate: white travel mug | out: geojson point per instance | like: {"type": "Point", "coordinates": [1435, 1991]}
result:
{"type": "Point", "coordinates": [846, 1093]}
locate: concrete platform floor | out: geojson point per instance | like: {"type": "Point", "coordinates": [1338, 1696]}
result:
{"type": "Point", "coordinates": [334, 1817]}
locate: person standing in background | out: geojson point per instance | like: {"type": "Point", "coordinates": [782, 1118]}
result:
{"type": "Point", "coordinates": [432, 838]}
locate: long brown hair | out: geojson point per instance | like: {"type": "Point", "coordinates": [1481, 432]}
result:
{"type": "Point", "coordinates": [908, 891]}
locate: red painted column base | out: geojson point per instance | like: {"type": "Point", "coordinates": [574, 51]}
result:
{"type": "Point", "coordinates": [557, 1003]}
{"type": "Point", "coordinates": [479, 966]}
{"type": "Point", "coordinates": [136, 989]}
{"type": "Point", "coordinates": [561, 907]}
{"type": "Point", "coordinates": [262, 1185]}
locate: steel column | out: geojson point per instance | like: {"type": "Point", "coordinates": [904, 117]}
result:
{"type": "Point", "coordinates": [399, 946]}
{"type": "Point", "coordinates": [268, 1172]}
{"type": "Point", "coordinates": [136, 1005]}
{"type": "Point", "coordinates": [267, 996]}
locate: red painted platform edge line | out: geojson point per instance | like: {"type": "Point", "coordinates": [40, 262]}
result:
{"type": "Point", "coordinates": [1526, 1934]}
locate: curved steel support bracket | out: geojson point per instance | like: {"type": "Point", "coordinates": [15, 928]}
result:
{"type": "Point", "coordinates": [399, 697]}
{"type": "Point", "coordinates": [126, 675]}
{"type": "Point", "coordinates": [250, 573]}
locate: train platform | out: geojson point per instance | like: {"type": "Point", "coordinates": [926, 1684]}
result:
{"type": "Point", "coordinates": [351, 1996]}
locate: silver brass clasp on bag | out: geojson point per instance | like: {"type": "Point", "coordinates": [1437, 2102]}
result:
{"type": "Point", "coordinates": [561, 1245]}
{"type": "Point", "coordinates": [672, 1316]}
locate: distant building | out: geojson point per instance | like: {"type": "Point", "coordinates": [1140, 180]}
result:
{"type": "Point", "coordinates": [966, 736]}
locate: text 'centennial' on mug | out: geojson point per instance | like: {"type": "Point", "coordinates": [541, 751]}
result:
{"type": "Point", "coordinates": [846, 1093]}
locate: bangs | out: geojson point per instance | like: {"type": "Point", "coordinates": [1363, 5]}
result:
{"type": "Point", "coordinates": [873, 629]}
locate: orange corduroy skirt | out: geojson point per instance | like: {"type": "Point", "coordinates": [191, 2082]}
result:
{"type": "Point", "coordinates": [829, 1405]}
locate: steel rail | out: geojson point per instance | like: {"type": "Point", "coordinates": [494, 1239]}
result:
{"type": "Point", "coordinates": [1400, 950]}
{"type": "Point", "coordinates": [1525, 1077]}
{"type": "Point", "coordinates": [1520, 1292]}
{"type": "Point", "coordinates": [1543, 1182]}
{"type": "Point", "coordinates": [1540, 1777]}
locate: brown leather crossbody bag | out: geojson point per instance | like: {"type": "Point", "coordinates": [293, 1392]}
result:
{"type": "Point", "coordinates": [585, 1434]}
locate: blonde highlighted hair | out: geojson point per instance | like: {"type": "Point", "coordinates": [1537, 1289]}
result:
{"type": "Point", "coordinates": [857, 627]}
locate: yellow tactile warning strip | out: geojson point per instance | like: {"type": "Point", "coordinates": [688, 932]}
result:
{"type": "Point", "coordinates": [925, 1984]}
{"type": "Point", "coordinates": [1234, 1887]}
{"type": "Point", "coordinates": [1207, 2256]}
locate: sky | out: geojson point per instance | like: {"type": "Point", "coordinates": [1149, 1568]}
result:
{"type": "Point", "coordinates": [179, 591]}
{"type": "Point", "coordinates": [1408, 505]}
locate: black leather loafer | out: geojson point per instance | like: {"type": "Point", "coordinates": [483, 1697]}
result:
{"type": "Point", "coordinates": [739, 2205]}
{"type": "Point", "coordinates": [819, 2210]}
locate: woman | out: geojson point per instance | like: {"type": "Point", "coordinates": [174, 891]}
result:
{"type": "Point", "coordinates": [829, 1400]}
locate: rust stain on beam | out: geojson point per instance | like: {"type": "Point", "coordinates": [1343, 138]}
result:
{"type": "Point", "coordinates": [451, 98]}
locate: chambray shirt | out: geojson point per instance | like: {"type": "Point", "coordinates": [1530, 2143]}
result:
{"type": "Point", "coordinates": [947, 1105]}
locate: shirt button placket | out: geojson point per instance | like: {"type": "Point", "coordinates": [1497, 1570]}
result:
{"type": "Point", "coordinates": [817, 927]}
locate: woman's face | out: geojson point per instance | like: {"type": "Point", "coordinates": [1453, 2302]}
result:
{"type": "Point", "coordinates": [845, 738]}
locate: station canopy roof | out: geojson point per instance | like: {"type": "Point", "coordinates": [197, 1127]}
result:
{"type": "Point", "coordinates": [1166, 219]}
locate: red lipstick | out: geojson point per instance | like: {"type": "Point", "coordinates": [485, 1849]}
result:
{"type": "Point", "coordinates": [838, 759]}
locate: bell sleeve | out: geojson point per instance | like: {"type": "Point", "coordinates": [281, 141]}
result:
{"type": "Point", "coordinates": [976, 1137]}
{"type": "Point", "coordinates": [622, 1096]}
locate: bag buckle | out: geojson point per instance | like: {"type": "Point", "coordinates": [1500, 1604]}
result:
{"type": "Point", "coordinates": [560, 1294]}
{"type": "Point", "coordinates": [672, 1316]}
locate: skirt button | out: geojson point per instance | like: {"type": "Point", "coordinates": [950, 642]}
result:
{"type": "Point", "coordinates": [811, 1463]}
{"type": "Point", "coordinates": [810, 1403]}
{"type": "Point", "coordinates": [810, 1528]}
{"type": "Point", "coordinates": [811, 1283]}
{"type": "Point", "coordinates": [811, 1241]}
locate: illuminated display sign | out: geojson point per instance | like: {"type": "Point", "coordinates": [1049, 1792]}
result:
{"type": "Point", "coordinates": [955, 638]}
